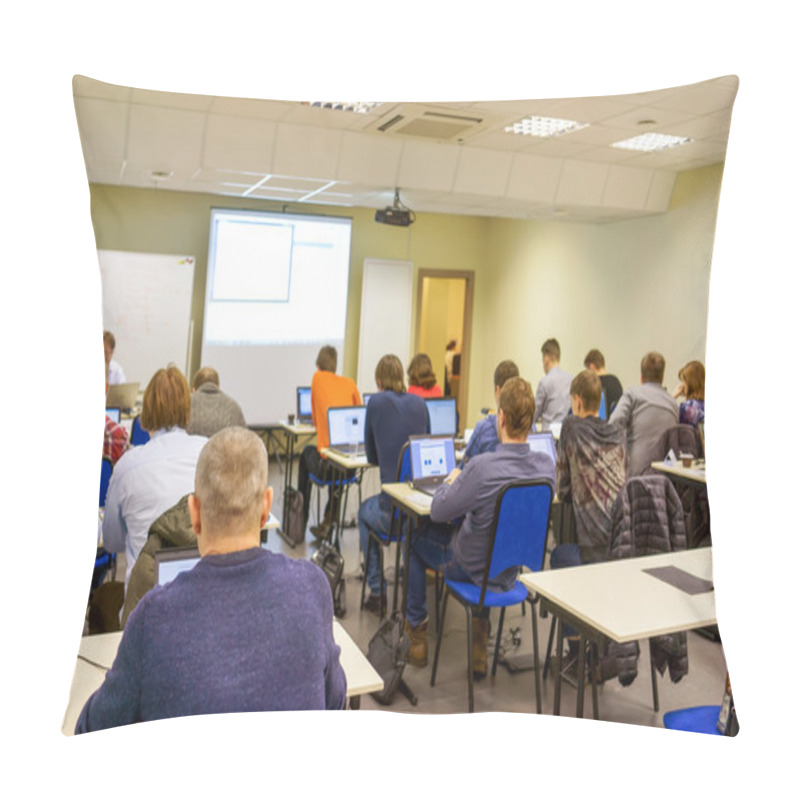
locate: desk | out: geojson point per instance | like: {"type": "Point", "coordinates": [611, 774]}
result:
{"type": "Point", "coordinates": [605, 602]}
{"type": "Point", "coordinates": [293, 433]}
{"type": "Point", "coordinates": [676, 471]}
{"type": "Point", "coordinates": [102, 649]}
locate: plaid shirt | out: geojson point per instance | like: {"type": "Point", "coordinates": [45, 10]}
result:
{"type": "Point", "coordinates": [115, 440]}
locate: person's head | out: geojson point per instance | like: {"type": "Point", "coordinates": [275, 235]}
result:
{"type": "Point", "coordinates": [502, 372]}
{"type": "Point", "coordinates": [389, 374]}
{"type": "Point", "coordinates": [516, 410]}
{"type": "Point", "coordinates": [595, 362]}
{"type": "Point", "coordinates": [451, 345]}
{"type": "Point", "coordinates": [327, 359]}
{"type": "Point", "coordinates": [585, 394]}
{"type": "Point", "coordinates": [205, 375]}
{"type": "Point", "coordinates": [231, 499]}
{"type": "Point", "coordinates": [420, 372]}
{"type": "Point", "coordinates": [167, 401]}
{"type": "Point", "coordinates": [551, 354]}
{"type": "Point", "coordinates": [652, 368]}
{"type": "Point", "coordinates": [693, 378]}
{"type": "Point", "coordinates": [109, 345]}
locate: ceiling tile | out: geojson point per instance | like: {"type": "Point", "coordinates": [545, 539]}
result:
{"type": "Point", "coordinates": [427, 166]}
{"type": "Point", "coordinates": [307, 152]}
{"type": "Point", "coordinates": [167, 138]}
{"type": "Point", "coordinates": [534, 179]}
{"type": "Point", "coordinates": [239, 143]}
{"type": "Point", "coordinates": [102, 125]}
{"type": "Point", "coordinates": [369, 159]}
{"type": "Point", "coordinates": [627, 187]}
{"type": "Point", "coordinates": [482, 172]}
{"type": "Point", "coordinates": [582, 184]}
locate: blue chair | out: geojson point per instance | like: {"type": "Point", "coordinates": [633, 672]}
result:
{"type": "Point", "coordinates": [138, 434]}
{"type": "Point", "coordinates": [395, 536]}
{"type": "Point", "coordinates": [105, 477]}
{"type": "Point", "coordinates": [518, 538]}
{"type": "Point", "coordinates": [104, 561]}
{"type": "Point", "coordinates": [699, 719]}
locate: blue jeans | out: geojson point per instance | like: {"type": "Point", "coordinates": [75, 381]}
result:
{"type": "Point", "coordinates": [566, 555]}
{"type": "Point", "coordinates": [430, 548]}
{"type": "Point", "coordinates": [372, 517]}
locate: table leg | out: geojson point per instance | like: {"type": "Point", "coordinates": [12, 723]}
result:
{"type": "Point", "coordinates": [581, 675]}
{"type": "Point", "coordinates": [559, 667]}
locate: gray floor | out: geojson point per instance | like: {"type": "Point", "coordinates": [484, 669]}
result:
{"type": "Point", "coordinates": [703, 685]}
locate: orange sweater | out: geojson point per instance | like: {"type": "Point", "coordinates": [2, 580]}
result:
{"type": "Point", "coordinates": [330, 390]}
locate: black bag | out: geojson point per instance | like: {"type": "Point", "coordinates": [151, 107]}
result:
{"type": "Point", "coordinates": [294, 515]}
{"type": "Point", "coordinates": [388, 652]}
{"type": "Point", "coordinates": [331, 562]}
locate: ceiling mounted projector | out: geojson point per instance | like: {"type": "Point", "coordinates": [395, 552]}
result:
{"type": "Point", "coordinates": [395, 214]}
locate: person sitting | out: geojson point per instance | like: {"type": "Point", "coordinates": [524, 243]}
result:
{"type": "Point", "coordinates": [115, 437]}
{"type": "Point", "coordinates": [472, 493]}
{"type": "Point", "coordinates": [484, 437]}
{"type": "Point", "coordinates": [194, 646]}
{"type": "Point", "coordinates": [552, 393]}
{"type": "Point", "coordinates": [422, 378]}
{"type": "Point", "coordinates": [327, 390]}
{"type": "Point", "coordinates": [644, 412]}
{"type": "Point", "coordinates": [211, 410]}
{"type": "Point", "coordinates": [595, 362]}
{"type": "Point", "coordinates": [393, 415]}
{"type": "Point", "coordinates": [591, 472]}
{"type": "Point", "coordinates": [692, 387]}
{"type": "Point", "coordinates": [149, 479]}
{"type": "Point", "coordinates": [114, 371]}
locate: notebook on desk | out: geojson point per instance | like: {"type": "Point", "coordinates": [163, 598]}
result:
{"type": "Point", "coordinates": [122, 396]}
{"type": "Point", "coordinates": [442, 415]}
{"type": "Point", "coordinates": [304, 405]}
{"type": "Point", "coordinates": [346, 430]}
{"type": "Point", "coordinates": [433, 458]}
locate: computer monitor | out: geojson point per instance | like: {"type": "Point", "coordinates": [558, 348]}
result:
{"type": "Point", "coordinates": [304, 404]}
{"type": "Point", "coordinates": [442, 415]}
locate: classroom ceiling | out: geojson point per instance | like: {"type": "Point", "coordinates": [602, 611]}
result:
{"type": "Point", "coordinates": [452, 158]}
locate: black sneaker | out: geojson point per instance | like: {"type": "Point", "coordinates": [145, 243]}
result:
{"type": "Point", "coordinates": [374, 602]}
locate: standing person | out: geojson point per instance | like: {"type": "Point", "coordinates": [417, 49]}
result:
{"type": "Point", "coordinates": [393, 415]}
{"type": "Point", "coordinates": [484, 437]}
{"type": "Point", "coordinates": [611, 386]}
{"type": "Point", "coordinates": [692, 387]}
{"type": "Point", "coordinates": [552, 393]}
{"type": "Point", "coordinates": [149, 479]}
{"type": "Point", "coordinates": [422, 378]}
{"type": "Point", "coordinates": [644, 412]}
{"type": "Point", "coordinates": [194, 646]}
{"type": "Point", "coordinates": [591, 472]}
{"type": "Point", "coordinates": [115, 372]}
{"type": "Point", "coordinates": [212, 410]}
{"type": "Point", "coordinates": [449, 355]}
{"type": "Point", "coordinates": [328, 390]}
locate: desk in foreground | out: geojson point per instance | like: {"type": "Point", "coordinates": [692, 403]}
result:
{"type": "Point", "coordinates": [102, 649]}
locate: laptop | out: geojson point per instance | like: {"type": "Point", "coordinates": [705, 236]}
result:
{"type": "Point", "coordinates": [304, 404]}
{"type": "Point", "coordinates": [113, 414]}
{"type": "Point", "coordinates": [365, 397]}
{"type": "Point", "coordinates": [603, 414]}
{"type": "Point", "coordinates": [442, 415]}
{"type": "Point", "coordinates": [172, 561]}
{"type": "Point", "coordinates": [433, 458]}
{"type": "Point", "coordinates": [122, 396]}
{"type": "Point", "coordinates": [543, 442]}
{"type": "Point", "coordinates": [346, 430]}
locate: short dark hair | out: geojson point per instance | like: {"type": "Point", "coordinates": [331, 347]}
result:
{"type": "Point", "coordinates": [653, 367]}
{"type": "Point", "coordinates": [518, 405]}
{"type": "Point", "coordinates": [205, 375]}
{"type": "Point", "coordinates": [551, 348]}
{"type": "Point", "coordinates": [503, 371]}
{"type": "Point", "coordinates": [595, 359]}
{"type": "Point", "coordinates": [167, 401]}
{"type": "Point", "coordinates": [327, 359]}
{"type": "Point", "coordinates": [389, 374]}
{"type": "Point", "coordinates": [420, 372]}
{"type": "Point", "coordinates": [587, 385]}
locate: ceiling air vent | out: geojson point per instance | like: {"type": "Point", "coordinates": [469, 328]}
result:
{"type": "Point", "coordinates": [428, 122]}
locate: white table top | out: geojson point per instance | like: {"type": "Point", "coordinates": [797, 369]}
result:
{"type": "Point", "coordinates": [624, 603]}
{"type": "Point", "coordinates": [348, 462]}
{"type": "Point", "coordinates": [102, 649]}
{"type": "Point", "coordinates": [690, 473]}
{"type": "Point", "coordinates": [272, 523]}
{"type": "Point", "coordinates": [418, 502]}
{"type": "Point", "coordinates": [299, 428]}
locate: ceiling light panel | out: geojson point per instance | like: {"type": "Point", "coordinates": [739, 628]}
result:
{"type": "Point", "coordinates": [652, 142]}
{"type": "Point", "coordinates": [545, 127]}
{"type": "Point", "coordinates": [357, 107]}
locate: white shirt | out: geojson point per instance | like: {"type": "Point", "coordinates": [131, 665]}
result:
{"type": "Point", "coordinates": [115, 373]}
{"type": "Point", "coordinates": [146, 481]}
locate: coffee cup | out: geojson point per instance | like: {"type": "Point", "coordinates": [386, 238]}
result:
{"type": "Point", "coordinates": [291, 419]}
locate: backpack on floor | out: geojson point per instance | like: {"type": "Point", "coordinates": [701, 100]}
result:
{"type": "Point", "coordinates": [388, 653]}
{"type": "Point", "coordinates": [331, 562]}
{"type": "Point", "coordinates": [295, 517]}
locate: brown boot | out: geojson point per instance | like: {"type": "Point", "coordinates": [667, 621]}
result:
{"type": "Point", "coordinates": [418, 651]}
{"type": "Point", "coordinates": [480, 642]}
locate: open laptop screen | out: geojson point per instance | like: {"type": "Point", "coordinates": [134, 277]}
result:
{"type": "Point", "coordinates": [543, 443]}
{"type": "Point", "coordinates": [346, 425]}
{"type": "Point", "coordinates": [173, 561]}
{"type": "Point", "coordinates": [442, 415]}
{"type": "Point", "coordinates": [431, 457]}
{"type": "Point", "coordinates": [304, 404]}
{"type": "Point", "coordinates": [113, 414]}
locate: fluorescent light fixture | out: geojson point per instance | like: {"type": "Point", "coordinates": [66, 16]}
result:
{"type": "Point", "coordinates": [545, 127]}
{"type": "Point", "coordinates": [358, 107]}
{"type": "Point", "coordinates": [651, 142]}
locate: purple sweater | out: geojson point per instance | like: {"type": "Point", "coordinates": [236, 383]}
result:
{"type": "Point", "coordinates": [245, 631]}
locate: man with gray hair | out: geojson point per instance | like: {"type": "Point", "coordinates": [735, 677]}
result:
{"type": "Point", "coordinates": [244, 630]}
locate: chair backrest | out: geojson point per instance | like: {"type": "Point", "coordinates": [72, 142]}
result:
{"type": "Point", "coordinates": [679, 438]}
{"type": "Point", "coordinates": [105, 477]}
{"type": "Point", "coordinates": [138, 434]}
{"type": "Point", "coordinates": [404, 464]}
{"type": "Point", "coordinates": [519, 531]}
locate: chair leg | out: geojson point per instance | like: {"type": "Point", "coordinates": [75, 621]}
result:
{"type": "Point", "coordinates": [469, 657]}
{"type": "Point", "coordinates": [536, 678]}
{"type": "Point", "coordinates": [653, 679]}
{"type": "Point", "coordinates": [559, 666]}
{"type": "Point", "coordinates": [497, 643]}
{"type": "Point", "coordinates": [366, 562]}
{"type": "Point", "coordinates": [549, 648]}
{"type": "Point", "coordinates": [439, 637]}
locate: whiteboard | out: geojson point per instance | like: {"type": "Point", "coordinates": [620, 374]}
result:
{"type": "Point", "coordinates": [147, 305]}
{"type": "Point", "coordinates": [386, 304]}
